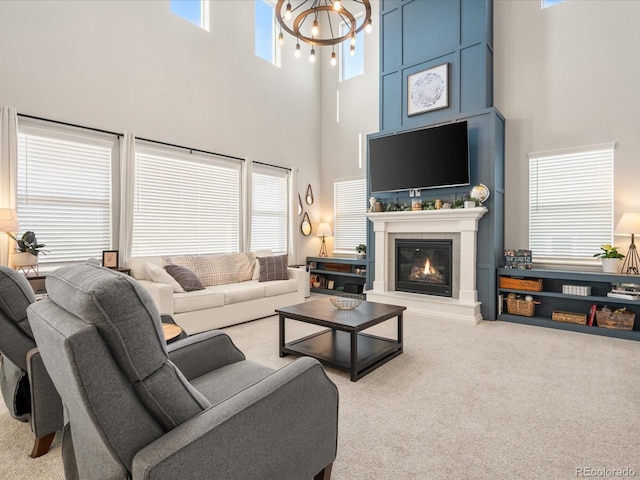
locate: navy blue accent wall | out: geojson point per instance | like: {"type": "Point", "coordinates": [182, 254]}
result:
{"type": "Point", "coordinates": [420, 34]}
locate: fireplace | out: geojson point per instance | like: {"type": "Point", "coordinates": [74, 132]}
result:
{"type": "Point", "coordinates": [424, 266]}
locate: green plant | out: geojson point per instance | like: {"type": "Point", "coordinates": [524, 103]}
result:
{"type": "Point", "coordinates": [29, 243]}
{"type": "Point", "coordinates": [362, 248]}
{"type": "Point", "coordinates": [608, 252]}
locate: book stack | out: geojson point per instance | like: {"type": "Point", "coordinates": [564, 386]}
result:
{"type": "Point", "coordinates": [628, 291]}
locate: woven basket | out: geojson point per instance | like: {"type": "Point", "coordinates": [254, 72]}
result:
{"type": "Point", "coordinates": [569, 317]}
{"type": "Point", "coordinates": [516, 306]}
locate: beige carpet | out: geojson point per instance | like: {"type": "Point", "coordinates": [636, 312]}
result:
{"type": "Point", "coordinates": [491, 401]}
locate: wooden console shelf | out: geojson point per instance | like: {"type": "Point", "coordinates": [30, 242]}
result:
{"type": "Point", "coordinates": [551, 298]}
{"type": "Point", "coordinates": [347, 274]}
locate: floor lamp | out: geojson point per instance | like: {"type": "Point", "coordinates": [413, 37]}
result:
{"type": "Point", "coordinates": [630, 224]}
{"type": "Point", "coordinates": [8, 221]}
{"type": "Point", "coordinates": [324, 230]}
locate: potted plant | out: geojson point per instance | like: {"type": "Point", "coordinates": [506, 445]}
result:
{"type": "Point", "coordinates": [361, 250]}
{"type": "Point", "coordinates": [470, 202]}
{"type": "Point", "coordinates": [28, 248]}
{"type": "Point", "coordinates": [610, 258]}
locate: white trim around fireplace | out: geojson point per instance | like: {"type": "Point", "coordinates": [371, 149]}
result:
{"type": "Point", "coordinates": [388, 226]}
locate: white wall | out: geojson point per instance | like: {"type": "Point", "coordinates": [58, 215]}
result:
{"type": "Point", "coordinates": [359, 113]}
{"type": "Point", "coordinates": [132, 65]}
{"type": "Point", "coordinates": [567, 76]}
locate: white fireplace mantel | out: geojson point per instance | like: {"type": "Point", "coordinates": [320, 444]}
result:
{"type": "Point", "coordinates": [462, 221]}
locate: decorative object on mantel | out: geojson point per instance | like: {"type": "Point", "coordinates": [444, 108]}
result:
{"type": "Point", "coordinates": [630, 224]}
{"type": "Point", "coordinates": [339, 14]}
{"type": "Point", "coordinates": [300, 209]}
{"type": "Point", "coordinates": [324, 230]}
{"type": "Point", "coordinates": [480, 192]}
{"type": "Point", "coordinates": [309, 196]}
{"type": "Point", "coordinates": [427, 90]}
{"type": "Point", "coordinates": [471, 202]}
{"type": "Point", "coordinates": [346, 301]}
{"type": "Point", "coordinates": [361, 250]}
{"type": "Point", "coordinates": [610, 258]}
{"type": "Point", "coordinates": [305, 225]}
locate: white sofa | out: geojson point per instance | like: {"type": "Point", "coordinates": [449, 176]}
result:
{"type": "Point", "coordinates": [222, 305]}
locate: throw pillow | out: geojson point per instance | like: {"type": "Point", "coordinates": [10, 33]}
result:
{"type": "Point", "coordinates": [185, 277]}
{"type": "Point", "coordinates": [160, 275]}
{"type": "Point", "coordinates": [260, 253]}
{"type": "Point", "coordinates": [273, 268]}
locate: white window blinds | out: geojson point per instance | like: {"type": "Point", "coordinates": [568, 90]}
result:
{"type": "Point", "coordinates": [185, 203]}
{"type": "Point", "coordinates": [570, 203]}
{"type": "Point", "coordinates": [64, 192]}
{"type": "Point", "coordinates": [350, 222]}
{"type": "Point", "coordinates": [270, 209]}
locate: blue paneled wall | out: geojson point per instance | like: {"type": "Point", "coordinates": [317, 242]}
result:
{"type": "Point", "coordinates": [420, 34]}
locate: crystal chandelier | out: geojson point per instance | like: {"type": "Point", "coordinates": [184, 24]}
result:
{"type": "Point", "coordinates": [301, 18]}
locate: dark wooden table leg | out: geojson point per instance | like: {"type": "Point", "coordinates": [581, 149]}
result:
{"type": "Point", "coordinates": [354, 356]}
{"type": "Point", "coordinates": [282, 352]}
{"type": "Point", "coordinates": [400, 331]}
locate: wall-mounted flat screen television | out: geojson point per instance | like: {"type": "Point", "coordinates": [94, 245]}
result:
{"type": "Point", "coordinates": [426, 158]}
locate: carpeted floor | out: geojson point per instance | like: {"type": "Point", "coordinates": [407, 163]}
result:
{"type": "Point", "coordinates": [490, 401]}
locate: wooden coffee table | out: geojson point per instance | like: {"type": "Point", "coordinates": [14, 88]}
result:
{"type": "Point", "coordinates": [343, 345]}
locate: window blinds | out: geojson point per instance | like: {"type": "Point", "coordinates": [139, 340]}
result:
{"type": "Point", "coordinates": [64, 193]}
{"type": "Point", "coordinates": [570, 203]}
{"type": "Point", "coordinates": [270, 209]}
{"type": "Point", "coordinates": [350, 222]}
{"type": "Point", "coordinates": [185, 204]}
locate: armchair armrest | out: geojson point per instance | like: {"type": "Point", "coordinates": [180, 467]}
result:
{"type": "Point", "coordinates": [161, 294]}
{"type": "Point", "coordinates": [283, 427]}
{"type": "Point", "coordinates": [46, 405]}
{"type": "Point", "coordinates": [301, 276]}
{"type": "Point", "coordinates": [198, 354]}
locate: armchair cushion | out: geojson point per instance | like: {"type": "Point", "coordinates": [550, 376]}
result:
{"type": "Point", "coordinates": [128, 321]}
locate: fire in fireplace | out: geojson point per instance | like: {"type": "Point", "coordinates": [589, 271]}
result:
{"type": "Point", "coordinates": [424, 266]}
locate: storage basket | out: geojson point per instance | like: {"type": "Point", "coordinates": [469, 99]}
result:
{"type": "Point", "coordinates": [621, 321]}
{"type": "Point", "coordinates": [516, 306]}
{"type": "Point", "coordinates": [569, 317]}
{"type": "Point", "coordinates": [521, 284]}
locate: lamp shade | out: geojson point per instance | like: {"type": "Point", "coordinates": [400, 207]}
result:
{"type": "Point", "coordinates": [8, 220]}
{"type": "Point", "coordinates": [629, 224]}
{"type": "Point", "coordinates": [324, 230]}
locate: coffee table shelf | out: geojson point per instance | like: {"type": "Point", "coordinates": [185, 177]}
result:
{"type": "Point", "coordinates": [333, 347]}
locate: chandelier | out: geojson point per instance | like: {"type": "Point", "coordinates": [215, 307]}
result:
{"type": "Point", "coordinates": [344, 20]}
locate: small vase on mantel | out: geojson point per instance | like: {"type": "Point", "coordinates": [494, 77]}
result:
{"type": "Point", "coordinates": [610, 265]}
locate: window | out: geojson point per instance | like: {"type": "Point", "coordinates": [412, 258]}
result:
{"type": "Point", "coordinates": [570, 203]}
{"type": "Point", "coordinates": [64, 192]}
{"type": "Point", "coordinates": [270, 209]}
{"type": "Point", "coordinates": [194, 11]}
{"type": "Point", "coordinates": [351, 65]}
{"type": "Point", "coordinates": [350, 222]}
{"type": "Point", "coordinates": [266, 32]}
{"type": "Point", "coordinates": [185, 203]}
{"type": "Point", "coordinates": [550, 3]}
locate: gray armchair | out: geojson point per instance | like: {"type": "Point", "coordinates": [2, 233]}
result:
{"type": "Point", "coordinates": [26, 387]}
{"type": "Point", "coordinates": [199, 411]}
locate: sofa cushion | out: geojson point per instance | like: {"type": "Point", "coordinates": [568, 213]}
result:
{"type": "Point", "coordinates": [185, 277]}
{"type": "Point", "coordinates": [257, 254]}
{"type": "Point", "coordinates": [273, 268]}
{"type": "Point", "coordinates": [160, 275]}
{"type": "Point", "coordinates": [197, 300]}
{"type": "Point", "coordinates": [280, 287]}
{"type": "Point", "coordinates": [245, 265]}
{"type": "Point", "coordinates": [210, 269]}
{"type": "Point", "coordinates": [240, 292]}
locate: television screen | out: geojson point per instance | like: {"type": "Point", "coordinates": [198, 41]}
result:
{"type": "Point", "coordinates": [427, 158]}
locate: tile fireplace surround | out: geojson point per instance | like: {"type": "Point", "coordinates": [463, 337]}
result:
{"type": "Point", "coordinates": [460, 225]}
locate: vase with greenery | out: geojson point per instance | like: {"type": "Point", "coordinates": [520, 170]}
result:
{"type": "Point", "coordinates": [610, 257]}
{"type": "Point", "coordinates": [361, 250]}
{"type": "Point", "coordinates": [28, 248]}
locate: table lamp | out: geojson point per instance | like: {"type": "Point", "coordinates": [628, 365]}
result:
{"type": "Point", "coordinates": [8, 220]}
{"type": "Point", "coordinates": [325, 230]}
{"type": "Point", "coordinates": [630, 224]}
